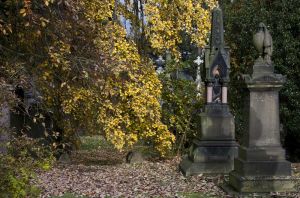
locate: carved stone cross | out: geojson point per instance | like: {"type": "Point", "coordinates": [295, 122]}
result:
{"type": "Point", "coordinates": [198, 61]}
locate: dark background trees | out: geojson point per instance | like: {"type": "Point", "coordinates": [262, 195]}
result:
{"type": "Point", "coordinates": [283, 20]}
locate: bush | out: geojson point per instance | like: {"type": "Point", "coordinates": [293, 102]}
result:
{"type": "Point", "coordinates": [180, 104]}
{"type": "Point", "coordinates": [17, 165]}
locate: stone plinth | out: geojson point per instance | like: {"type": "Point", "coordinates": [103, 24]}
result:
{"type": "Point", "coordinates": [216, 149]}
{"type": "Point", "coordinates": [261, 165]}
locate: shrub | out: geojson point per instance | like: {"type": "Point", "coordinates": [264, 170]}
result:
{"type": "Point", "coordinates": [180, 104]}
{"type": "Point", "coordinates": [17, 165]}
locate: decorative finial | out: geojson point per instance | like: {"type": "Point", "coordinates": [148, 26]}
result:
{"type": "Point", "coordinates": [263, 42]}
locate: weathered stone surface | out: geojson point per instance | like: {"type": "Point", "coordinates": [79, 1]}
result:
{"type": "Point", "coordinates": [4, 138]}
{"type": "Point", "coordinates": [189, 167]}
{"type": "Point", "coordinates": [259, 168]}
{"type": "Point", "coordinates": [134, 157]}
{"type": "Point", "coordinates": [4, 126]}
{"type": "Point", "coordinates": [4, 116]}
{"type": "Point", "coordinates": [261, 164]}
{"type": "Point", "coordinates": [64, 158]}
{"type": "Point", "coordinates": [217, 53]}
{"type": "Point", "coordinates": [217, 125]}
{"type": "Point", "coordinates": [264, 119]}
{"type": "Point", "coordinates": [204, 151]}
{"type": "Point", "coordinates": [263, 42]}
{"type": "Point", "coordinates": [216, 149]}
{"type": "Point", "coordinates": [270, 153]}
{"type": "Point", "coordinates": [261, 184]}
{"type": "Point", "coordinates": [209, 157]}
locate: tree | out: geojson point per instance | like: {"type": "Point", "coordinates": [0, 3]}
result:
{"type": "Point", "coordinates": [169, 23]}
{"type": "Point", "coordinates": [90, 73]}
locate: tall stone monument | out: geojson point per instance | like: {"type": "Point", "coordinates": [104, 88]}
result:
{"type": "Point", "coordinates": [215, 150]}
{"type": "Point", "coordinates": [261, 164]}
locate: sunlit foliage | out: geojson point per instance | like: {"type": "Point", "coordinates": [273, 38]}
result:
{"type": "Point", "coordinates": [89, 71]}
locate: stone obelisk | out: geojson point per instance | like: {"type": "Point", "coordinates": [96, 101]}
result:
{"type": "Point", "coordinates": [261, 165]}
{"type": "Point", "coordinates": [215, 150]}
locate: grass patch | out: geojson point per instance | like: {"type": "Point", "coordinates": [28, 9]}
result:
{"type": "Point", "coordinates": [93, 143]}
{"type": "Point", "coordinates": [196, 195]}
{"type": "Point", "coordinates": [70, 195]}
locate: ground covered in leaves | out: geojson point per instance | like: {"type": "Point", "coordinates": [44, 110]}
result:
{"type": "Point", "coordinates": [148, 179]}
{"type": "Point", "coordinates": [104, 173]}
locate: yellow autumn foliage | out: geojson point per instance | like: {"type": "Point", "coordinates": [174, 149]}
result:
{"type": "Point", "coordinates": [131, 110]}
{"type": "Point", "coordinates": [90, 73]}
{"type": "Point", "coordinates": [167, 21]}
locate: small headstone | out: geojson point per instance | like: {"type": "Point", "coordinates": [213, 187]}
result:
{"type": "Point", "coordinates": [4, 116]}
{"type": "Point", "coordinates": [3, 139]}
{"type": "Point", "coordinates": [134, 157]}
{"type": "Point", "coordinates": [64, 158]}
{"type": "Point", "coordinates": [4, 126]}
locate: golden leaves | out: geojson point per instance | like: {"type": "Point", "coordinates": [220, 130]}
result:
{"type": "Point", "coordinates": [167, 21]}
{"type": "Point", "coordinates": [99, 11]}
{"type": "Point", "coordinates": [23, 12]}
{"type": "Point", "coordinates": [124, 103]}
{"type": "Point", "coordinates": [131, 110]}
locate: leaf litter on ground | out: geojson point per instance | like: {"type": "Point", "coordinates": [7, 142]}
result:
{"type": "Point", "coordinates": [104, 173]}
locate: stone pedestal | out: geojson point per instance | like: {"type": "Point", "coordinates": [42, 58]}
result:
{"type": "Point", "coordinates": [261, 165]}
{"type": "Point", "coordinates": [215, 152]}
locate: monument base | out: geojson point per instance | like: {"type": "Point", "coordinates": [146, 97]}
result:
{"type": "Point", "coordinates": [261, 184]}
{"type": "Point", "coordinates": [209, 157]}
{"type": "Point", "coordinates": [261, 170]}
{"type": "Point", "coordinates": [216, 150]}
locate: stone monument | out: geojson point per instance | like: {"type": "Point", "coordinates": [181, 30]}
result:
{"type": "Point", "coordinates": [261, 165]}
{"type": "Point", "coordinates": [215, 150]}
